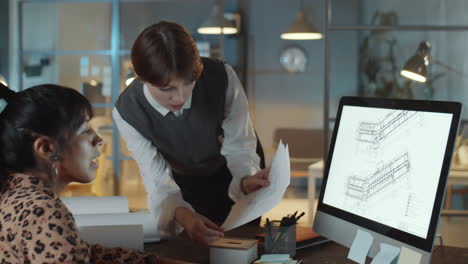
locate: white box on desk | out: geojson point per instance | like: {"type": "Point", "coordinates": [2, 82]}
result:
{"type": "Point", "coordinates": [145, 219]}
{"type": "Point", "coordinates": [233, 251]}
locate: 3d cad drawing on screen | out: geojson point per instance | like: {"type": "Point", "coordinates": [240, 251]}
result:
{"type": "Point", "coordinates": [375, 133]}
{"type": "Point", "coordinates": [365, 187]}
{"type": "Point", "coordinates": [386, 173]}
{"type": "Point", "coordinates": [387, 163]}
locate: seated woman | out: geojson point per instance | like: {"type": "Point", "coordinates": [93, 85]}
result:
{"type": "Point", "coordinates": [46, 143]}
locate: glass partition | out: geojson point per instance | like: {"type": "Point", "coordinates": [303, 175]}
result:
{"type": "Point", "coordinates": [66, 26]}
{"type": "Point", "coordinates": [401, 12]}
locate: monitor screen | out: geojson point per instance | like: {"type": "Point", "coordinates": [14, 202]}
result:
{"type": "Point", "coordinates": [387, 169]}
{"type": "Point", "coordinates": [386, 165]}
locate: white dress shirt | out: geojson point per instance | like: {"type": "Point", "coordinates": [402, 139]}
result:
{"type": "Point", "coordinates": [238, 147]}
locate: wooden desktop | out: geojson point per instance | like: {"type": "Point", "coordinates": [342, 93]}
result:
{"type": "Point", "coordinates": [182, 248]}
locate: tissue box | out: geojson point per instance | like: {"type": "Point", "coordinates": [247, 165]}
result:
{"type": "Point", "coordinates": [233, 251]}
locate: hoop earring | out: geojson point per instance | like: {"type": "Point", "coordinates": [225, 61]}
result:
{"type": "Point", "coordinates": [54, 174]}
{"type": "Point", "coordinates": [55, 169]}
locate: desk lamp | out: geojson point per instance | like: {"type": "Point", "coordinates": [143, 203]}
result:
{"type": "Point", "coordinates": [3, 81]}
{"type": "Point", "coordinates": [416, 67]}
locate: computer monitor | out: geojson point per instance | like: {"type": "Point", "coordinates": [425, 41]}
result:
{"type": "Point", "coordinates": [386, 172]}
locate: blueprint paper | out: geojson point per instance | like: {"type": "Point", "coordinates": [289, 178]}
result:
{"type": "Point", "coordinates": [360, 247]}
{"type": "Point", "coordinates": [259, 202]}
{"type": "Point", "coordinates": [386, 255]}
{"type": "Point", "coordinates": [408, 256]}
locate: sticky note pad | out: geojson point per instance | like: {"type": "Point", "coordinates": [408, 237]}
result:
{"type": "Point", "coordinates": [360, 247]}
{"type": "Point", "coordinates": [408, 256]}
{"type": "Point", "coordinates": [280, 258]}
{"type": "Point", "coordinates": [386, 255]}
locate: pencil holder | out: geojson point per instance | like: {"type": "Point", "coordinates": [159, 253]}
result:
{"type": "Point", "coordinates": [280, 239]}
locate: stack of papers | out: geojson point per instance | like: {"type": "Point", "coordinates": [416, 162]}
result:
{"type": "Point", "coordinates": [96, 205]}
{"type": "Point", "coordinates": [259, 202]}
{"type": "Point", "coordinates": [108, 222]}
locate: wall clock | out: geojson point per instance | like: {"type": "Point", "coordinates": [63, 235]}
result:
{"type": "Point", "coordinates": [293, 59]}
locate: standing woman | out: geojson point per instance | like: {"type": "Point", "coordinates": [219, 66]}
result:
{"type": "Point", "coordinates": [46, 142]}
{"type": "Point", "coordinates": [185, 120]}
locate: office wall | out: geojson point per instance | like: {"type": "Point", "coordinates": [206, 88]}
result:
{"type": "Point", "coordinates": [280, 99]}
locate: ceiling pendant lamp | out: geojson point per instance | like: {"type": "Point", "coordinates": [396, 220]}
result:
{"type": "Point", "coordinates": [301, 29]}
{"type": "Point", "coordinates": [217, 23]}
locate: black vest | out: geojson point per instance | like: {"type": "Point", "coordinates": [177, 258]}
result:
{"type": "Point", "coordinates": [189, 143]}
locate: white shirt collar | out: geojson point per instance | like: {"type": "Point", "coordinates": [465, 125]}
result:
{"type": "Point", "coordinates": [161, 109]}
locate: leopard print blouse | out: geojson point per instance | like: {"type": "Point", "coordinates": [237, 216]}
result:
{"type": "Point", "coordinates": [36, 227]}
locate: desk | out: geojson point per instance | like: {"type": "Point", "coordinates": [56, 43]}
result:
{"type": "Point", "coordinates": [182, 248]}
{"type": "Point", "coordinates": [456, 177]}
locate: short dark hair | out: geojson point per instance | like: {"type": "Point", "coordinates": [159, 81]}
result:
{"type": "Point", "coordinates": [164, 51]}
{"type": "Point", "coordinates": [44, 110]}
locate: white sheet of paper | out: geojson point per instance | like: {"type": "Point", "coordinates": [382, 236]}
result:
{"type": "Point", "coordinates": [408, 256]}
{"type": "Point", "coordinates": [386, 255]}
{"type": "Point", "coordinates": [146, 219]}
{"type": "Point", "coordinates": [259, 202]}
{"type": "Point", "coordinates": [96, 205]}
{"type": "Point", "coordinates": [360, 247]}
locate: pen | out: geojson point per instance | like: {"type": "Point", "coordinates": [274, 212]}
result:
{"type": "Point", "coordinates": [294, 215]}
{"type": "Point", "coordinates": [268, 229]}
{"type": "Point", "coordinates": [299, 217]}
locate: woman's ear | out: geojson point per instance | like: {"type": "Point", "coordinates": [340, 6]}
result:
{"type": "Point", "coordinates": [44, 148]}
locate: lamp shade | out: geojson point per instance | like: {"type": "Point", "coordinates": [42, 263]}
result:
{"type": "Point", "coordinates": [217, 24]}
{"type": "Point", "coordinates": [416, 67]}
{"type": "Point", "coordinates": [301, 29]}
{"type": "Point", "coordinates": [3, 81]}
